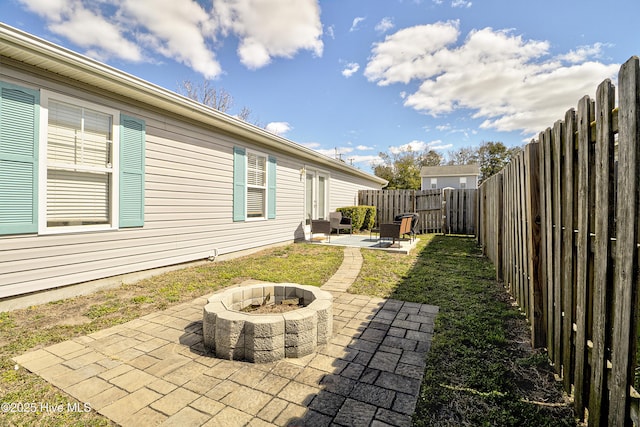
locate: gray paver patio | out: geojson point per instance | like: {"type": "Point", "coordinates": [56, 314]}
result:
{"type": "Point", "coordinates": [155, 371]}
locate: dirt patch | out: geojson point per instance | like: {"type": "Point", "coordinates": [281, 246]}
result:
{"type": "Point", "coordinates": [283, 307]}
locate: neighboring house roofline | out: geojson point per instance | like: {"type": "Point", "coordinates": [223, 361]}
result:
{"type": "Point", "coordinates": [449, 170]}
{"type": "Point", "coordinates": [26, 48]}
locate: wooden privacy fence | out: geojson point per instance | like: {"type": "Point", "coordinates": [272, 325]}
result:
{"type": "Point", "coordinates": [561, 223]}
{"type": "Point", "coordinates": [450, 211]}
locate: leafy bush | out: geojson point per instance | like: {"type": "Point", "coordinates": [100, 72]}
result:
{"type": "Point", "coordinates": [369, 217]}
{"type": "Point", "coordinates": [362, 217]}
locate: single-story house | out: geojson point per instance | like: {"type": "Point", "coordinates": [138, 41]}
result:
{"type": "Point", "coordinates": [104, 174]}
{"type": "Point", "coordinates": [451, 176]}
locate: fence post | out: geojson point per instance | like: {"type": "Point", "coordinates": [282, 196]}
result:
{"type": "Point", "coordinates": [602, 262]}
{"type": "Point", "coordinates": [582, 254]}
{"type": "Point", "coordinates": [569, 219]}
{"type": "Point", "coordinates": [499, 201]}
{"type": "Point", "coordinates": [547, 234]}
{"type": "Point", "coordinates": [623, 345]}
{"type": "Point", "coordinates": [532, 194]}
{"type": "Point", "coordinates": [556, 211]}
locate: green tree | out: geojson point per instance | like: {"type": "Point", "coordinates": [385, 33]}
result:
{"type": "Point", "coordinates": [463, 156]}
{"type": "Point", "coordinates": [431, 158]}
{"type": "Point", "coordinates": [402, 168]}
{"type": "Point", "coordinates": [493, 157]}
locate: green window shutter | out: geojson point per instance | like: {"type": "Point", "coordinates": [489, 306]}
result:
{"type": "Point", "coordinates": [19, 120]}
{"type": "Point", "coordinates": [271, 188]}
{"type": "Point", "coordinates": [239, 183]}
{"type": "Point", "coordinates": [132, 160]}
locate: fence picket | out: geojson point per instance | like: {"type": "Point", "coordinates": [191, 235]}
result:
{"type": "Point", "coordinates": [625, 278]}
{"type": "Point", "coordinates": [602, 265]}
{"type": "Point", "coordinates": [556, 213]}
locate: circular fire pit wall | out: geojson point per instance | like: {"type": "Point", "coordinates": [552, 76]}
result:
{"type": "Point", "coordinates": [237, 335]}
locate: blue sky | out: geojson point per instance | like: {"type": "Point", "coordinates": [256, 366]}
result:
{"type": "Point", "coordinates": [361, 76]}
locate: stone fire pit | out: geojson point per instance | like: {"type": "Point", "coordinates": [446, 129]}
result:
{"type": "Point", "coordinates": [237, 335]}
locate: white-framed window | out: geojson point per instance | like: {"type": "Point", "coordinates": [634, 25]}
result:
{"type": "Point", "coordinates": [463, 182]}
{"type": "Point", "coordinates": [434, 182]}
{"type": "Point", "coordinates": [256, 185]}
{"type": "Point", "coordinates": [68, 164]}
{"type": "Point", "coordinates": [79, 143]}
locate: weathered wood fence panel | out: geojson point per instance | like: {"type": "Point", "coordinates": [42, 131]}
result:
{"type": "Point", "coordinates": [428, 206]}
{"type": "Point", "coordinates": [458, 211]}
{"type": "Point", "coordinates": [454, 213]}
{"type": "Point", "coordinates": [562, 224]}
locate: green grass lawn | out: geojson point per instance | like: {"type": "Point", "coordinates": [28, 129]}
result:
{"type": "Point", "coordinates": [480, 370]}
{"type": "Point", "coordinates": [40, 326]}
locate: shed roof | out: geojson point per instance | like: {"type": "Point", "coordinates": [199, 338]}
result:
{"type": "Point", "coordinates": [450, 170]}
{"type": "Point", "coordinates": [17, 47]}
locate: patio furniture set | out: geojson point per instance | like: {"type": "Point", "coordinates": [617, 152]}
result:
{"type": "Point", "coordinates": [336, 222]}
{"type": "Point", "coordinates": [402, 226]}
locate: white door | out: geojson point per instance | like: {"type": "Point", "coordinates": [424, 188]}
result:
{"type": "Point", "coordinates": [316, 192]}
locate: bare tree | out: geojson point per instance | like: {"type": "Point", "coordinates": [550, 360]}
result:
{"type": "Point", "coordinates": [244, 114]}
{"type": "Point", "coordinates": [216, 98]}
{"type": "Point", "coordinates": [207, 94]}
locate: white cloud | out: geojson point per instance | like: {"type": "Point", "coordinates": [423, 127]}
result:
{"type": "Point", "coordinates": [384, 25]}
{"type": "Point", "coordinates": [331, 31]}
{"type": "Point", "coordinates": [350, 69]}
{"type": "Point", "coordinates": [461, 3]}
{"type": "Point", "coordinates": [408, 54]}
{"type": "Point", "coordinates": [363, 159]}
{"type": "Point", "coordinates": [501, 77]}
{"type": "Point", "coordinates": [364, 148]}
{"type": "Point", "coordinates": [312, 145]}
{"type": "Point", "coordinates": [278, 128]}
{"type": "Point", "coordinates": [271, 28]}
{"type": "Point", "coordinates": [356, 21]}
{"type": "Point", "coordinates": [184, 30]}
{"type": "Point", "coordinates": [177, 30]}
{"type": "Point", "coordinates": [440, 146]}
{"type": "Point", "coordinates": [86, 28]}
{"type": "Point", "coordinates": [583, 53]}
{"type": "Point", "coordinates": [420, 146]}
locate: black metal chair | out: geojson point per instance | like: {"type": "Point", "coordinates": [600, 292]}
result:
{"type": "Point", "coordinates": [320, 226]}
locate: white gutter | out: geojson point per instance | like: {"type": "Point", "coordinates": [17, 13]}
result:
{"type": "Point", "coordinates": [40, 53]}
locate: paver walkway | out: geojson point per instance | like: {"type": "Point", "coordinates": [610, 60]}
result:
{"type": "Point", "coordinates": [154, 370]}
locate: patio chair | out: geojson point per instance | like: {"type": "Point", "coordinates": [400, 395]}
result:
{"type": "Point", "coordinates": [394, 230]}
{"type": "Point", "coordinates": [415, 219]}
{"type": "Point", "coordinates": [338, 222]}
{"type": "Point", "coordinates": [320, 226]}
